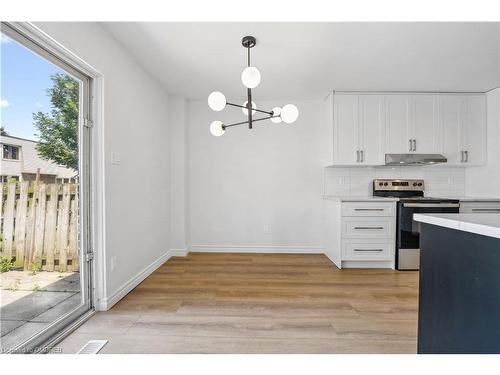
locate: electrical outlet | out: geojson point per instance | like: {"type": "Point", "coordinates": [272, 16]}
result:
{"type": "Point", "coordinates": [115, 158]}
{"type": "Point", "coordinates": [113, 263]}
{"type": "Point", "coordinates": [265, 230]}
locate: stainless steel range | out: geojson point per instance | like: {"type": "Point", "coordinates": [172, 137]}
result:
{"type": "Point", "coordinates": [411, 201]}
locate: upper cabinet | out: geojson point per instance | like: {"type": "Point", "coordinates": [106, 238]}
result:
{"type": "Point", "coordinates": [397, 125]}
{"type": "Point", "coordinates": [412, 124]}
{"type": "Point", "coordinates": [358, 129]}
{"type": "Point", "coordinates": [473, 129]}
{"type": "Point", "coordinates": [463, 128]}
{"type": "Point", "coordinates": [366, 126]}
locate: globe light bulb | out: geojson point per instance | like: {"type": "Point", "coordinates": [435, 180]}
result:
{"type": "Point", "coordinates": [216, 128]}
{"type": "Point", "coordinates": [217, 101]}
{"type": "Point", "coordinates": [250, 77]}
{"type": "Point", "coordinates": [289, 113]}
{"type": "Point", "coordinates": [245, 110]}
{"type": "Point", "coordinates": [276, 112]}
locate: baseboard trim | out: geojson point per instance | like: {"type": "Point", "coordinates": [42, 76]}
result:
{"type": "Point", "coordinates": [179, 252]}
{"type": "Point", "coordinates": [256, 249]}
{"type": "Point", "coordinates": [367, 264]}
{"type": "Point", "coordinates": [107, 303]}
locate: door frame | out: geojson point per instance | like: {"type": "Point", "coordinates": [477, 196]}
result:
{"type": "Point", "coordinates": [92, 201]}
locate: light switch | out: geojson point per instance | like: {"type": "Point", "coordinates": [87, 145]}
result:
{"type": "Point", "coordinates": [115, 158]}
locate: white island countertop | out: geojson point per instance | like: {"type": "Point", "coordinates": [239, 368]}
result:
{"type": "Point", "coordinates": [483, 224]}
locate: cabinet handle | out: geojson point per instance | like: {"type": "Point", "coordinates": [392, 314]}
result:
{"type": "Point", "coordinates": [414, 145]}
{"type": "Point", "coordinates": [368, 209]}
{"type": "Point", "coordinates": [378, 228]}
{"type": "Point", "coordinates": [409, 145]}
{"type": "Point", "coordinates": [362, 155]}
{"type": "Point", "coordinates": [461, 156]}
{"type": "Point", "coordinates": [486, 210]}
{"type": "Point", "coordinates": [368, 249]}
{"type": "Point", "coordinates": [357, 156]}
{"type": "Point", "coordinates": [466, 156]}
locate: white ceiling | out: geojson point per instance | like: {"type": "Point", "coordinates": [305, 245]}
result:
{"type": "Point", "coordinates": [306, 60]}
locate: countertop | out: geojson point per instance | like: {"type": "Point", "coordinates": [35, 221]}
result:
{"type": "Point", "coordinates": [483, 224]}
{"type": "Point", "coordinates": [358, 199]}
{"type": "Point", "coordinates": [347, 198]}
{"type": "Point", "coordinates": [473, 199]}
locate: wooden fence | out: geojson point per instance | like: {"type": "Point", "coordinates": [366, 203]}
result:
{"type": "Point", "coordinates": [39, 225]}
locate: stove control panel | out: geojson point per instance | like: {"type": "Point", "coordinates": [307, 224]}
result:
{"type": "Point", "coordinates": [398, 185]}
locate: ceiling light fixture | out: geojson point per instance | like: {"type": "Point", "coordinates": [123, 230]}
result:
{"type": "Point", "coordinates": [250, 77]}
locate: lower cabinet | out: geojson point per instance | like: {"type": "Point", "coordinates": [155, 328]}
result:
{"type": "Point", "coordinates": [367, 249]}
{"type": "Point", "coordinates": [360, 234]}
{"type": "Point", "coordinates": [480, 207]}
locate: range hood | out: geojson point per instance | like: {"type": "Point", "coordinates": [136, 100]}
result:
{"type": "Point", "coordinates": [414, 159]}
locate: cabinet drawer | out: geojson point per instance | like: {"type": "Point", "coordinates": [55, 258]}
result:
{"type": "Point", "coordinates": [368, 227]}
{"type": "Point", "coordinates": [368, 209]}
{"type": "Point", "coordinates": [367, 250]}
{"type": "Point", "coordinates": [480, 207]}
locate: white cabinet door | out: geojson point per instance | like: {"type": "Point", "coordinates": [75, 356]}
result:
{"type": "Point", "coordinates": [474, 128]}
{"type": "Point", "coordinates": [424, 127]}
{"type": "Point", "coordinates": [450, 134]}
{"type": "Point", "coordinates": [345, 129]}
{"type": "Point", "coordinates": [371, 129]}
{"type": "Point", "coordinates": [397, 129]}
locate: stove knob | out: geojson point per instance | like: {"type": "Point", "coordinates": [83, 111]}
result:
{"type": "Point", "coordinates": [419, 184]}
{"type": "Point", "coordinates": [385, 183]}
{"type": "Point", "coordinates": [414, 184]}
{"type": "Point", "coordinates": [380, 184]}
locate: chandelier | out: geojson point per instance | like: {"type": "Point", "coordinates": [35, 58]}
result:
{"type": "Point", "coordinates": [250, 77]}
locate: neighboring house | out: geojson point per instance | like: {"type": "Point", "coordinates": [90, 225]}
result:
{"type": "Point", "coordinates": [20, 161]}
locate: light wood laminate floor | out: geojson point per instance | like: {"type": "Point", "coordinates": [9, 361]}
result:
{"type": "Point", "coordinates": [259, 303]}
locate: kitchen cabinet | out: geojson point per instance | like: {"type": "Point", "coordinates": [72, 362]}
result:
{"type": "Point", "coordinates": [473, 129]}
{"type": "Point", "coordinates": [360, 234]}
{"type": "Point", "coordinates": [424, 125]}
{"type": "Point", "coordinates": [362, 127]}
{"type": "Point", "coordinates": [480, 207]}
{"type": "Point", "coordinates": [371, 129]}
{"type": "Point", "coordinates": [412, 124]}
{"type": "Point", "coordinates": [358, 129]}
{"type": "Point", "coordinates": [463, 128]}
{"type": "Point", "coordinates": [345, 129]}
{"type": "Point", "coordinates": [397, 126]}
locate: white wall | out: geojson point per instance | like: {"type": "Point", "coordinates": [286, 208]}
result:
{"type": "Point", "coordinates": [484, 181]}
{"type": "Point", "coordinates": [137, 192]}
{"type": "Point", "coordinates": [177, 125]}
{"type": "Point", "coordinates": [270, 175]}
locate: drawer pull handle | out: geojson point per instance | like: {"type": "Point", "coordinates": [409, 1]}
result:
{"type": "Point", "coordinates": [486, 209]}
{"type": "Point", "coordinates": [368, 209]}
{"type": "Point", "coordinates": [368, 249]}
{"type": "Point", "coordinates": [368, 227]}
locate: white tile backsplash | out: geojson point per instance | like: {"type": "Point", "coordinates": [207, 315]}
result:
{"type": "Point", "coordinates": [439, 181]}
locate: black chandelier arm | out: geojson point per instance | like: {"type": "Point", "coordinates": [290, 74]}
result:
{"type": "Point", "coordinates": [254, 109]}
{"type": "Point", "coordinates": [246, 122]}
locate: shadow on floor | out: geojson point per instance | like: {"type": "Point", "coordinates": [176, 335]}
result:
{"type": "Point", "coordinates": [24, 317]}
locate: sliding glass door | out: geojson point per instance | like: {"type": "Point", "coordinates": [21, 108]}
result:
{"type": "Point", "coordinates": [45, 185]}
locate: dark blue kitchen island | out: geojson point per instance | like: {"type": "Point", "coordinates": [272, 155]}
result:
{"type": "Point", "coordinates": [459, 288]}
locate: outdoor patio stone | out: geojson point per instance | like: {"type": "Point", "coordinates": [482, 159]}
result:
{"type": "Point", "coordinates": [61, 309]}
{"type": "Point", "coordinates": [32, 305]}
{"type": "Point", "coordinates": [10, 325]}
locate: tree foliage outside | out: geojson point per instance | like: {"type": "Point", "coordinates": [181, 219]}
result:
{"type": "Point", "coordinates": [3, 131]}
{"type": "Point", "coordinates": [58, 130]}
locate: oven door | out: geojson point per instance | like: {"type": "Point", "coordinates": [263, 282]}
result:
{"type": "Point", "coordinates": [408, 230]}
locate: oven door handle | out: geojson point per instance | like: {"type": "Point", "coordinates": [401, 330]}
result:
{"type": "Point", "coordinates": [437, 205]}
